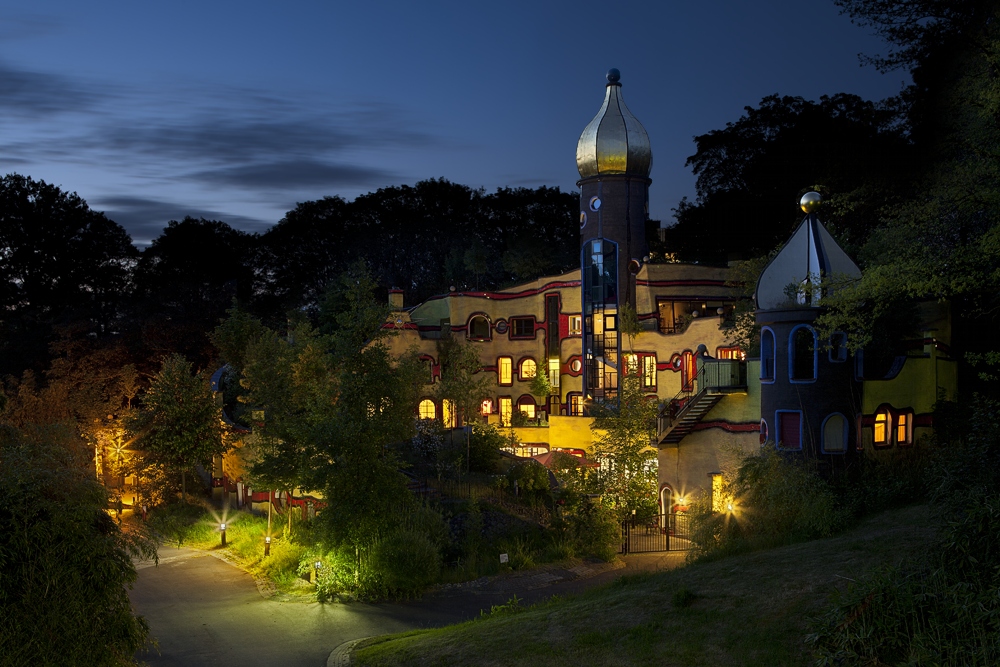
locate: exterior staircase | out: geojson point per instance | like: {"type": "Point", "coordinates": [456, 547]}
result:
{"type": "Point", "coordinates": [677, 427]}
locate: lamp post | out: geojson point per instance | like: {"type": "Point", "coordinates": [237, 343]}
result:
{"type": "Point", "coordinates": [267, 545]}
{"type": "Point", "coordinates": [314, 575]}
{"type": "Point", "coordinates": [222, 527]}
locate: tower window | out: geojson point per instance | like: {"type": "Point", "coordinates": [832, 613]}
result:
{"type": "Point", "coordinates": [789, 435]}
{"type": "Point", "coordinates": [835, 434]}
{"type": "Point", "coordinates": [767, 354]}
{"type": "Point", "coordinates": [802, 350]}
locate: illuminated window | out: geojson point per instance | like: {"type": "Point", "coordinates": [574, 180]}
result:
{"type": "Point", "coordinates": [506, 410]}
{"type": "Point", "coordinates": [427, 409]}
{"type": "Point", "coordinates": [449, 416]}
{"type": "Point", "coordinates": [882, 422]}
{"type": "Point", "coordinates": [835, 434]}
{"type": "Point", "coordinates": [527, 369]}
{"type": "Point", "coordinates": [526, 404]}
{"type": "Point", "coordinates": [767, 354]}
{"type": "Point", "coordinates": [610, 322]}
{"type": "Point", "coordinates": [505, 367]}
{"type": "Point", "coordinates": [479, 328]}
{"type": "Point", "coordinates": [649, 370]}
{"type": "Point", "coordinates": [575, 325]}
{"type": "Point", "coordinates": [576, 404]}
{"type": "Point", "coordinates": [718, 504]}
{"type": "Point", "coordinates": [522, 327]}
{"type": "Point", "coordinates": [904, 428]}
{"type": "Point", "coordinates": [554, 371]}
{"type": "Point", "coordinates": [631, 364]}
{"type": "Point", "coordinates": [729, 353]}
{"type": "Point", "coordinates": [486, 408]}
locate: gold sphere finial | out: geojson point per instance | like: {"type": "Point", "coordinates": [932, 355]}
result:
{"type": "Point", "coordinates": [810, 202]}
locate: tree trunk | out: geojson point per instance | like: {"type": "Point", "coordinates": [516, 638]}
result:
{"type": "Point", "coordinates": [288, 508]}
{"type": "Point", "coordinates": [183, 485]}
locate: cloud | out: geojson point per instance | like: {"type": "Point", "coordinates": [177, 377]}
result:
{"type": "Point", "coordinates": [144, 218]}
{"type": "Point", "coordinates": [295, 174]}
{"type": "Point", "coordinates": [28, 93]}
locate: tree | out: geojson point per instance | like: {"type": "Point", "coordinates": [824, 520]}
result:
{"type": "Point", "coordinates": [66, 564]}
{"type": "Point", "coordinates": [60, 263]}
{"type": "Point", "coordinates": [178, 423]}
{"type": "Point", "coordinates": [460, 365]}
{"type": "Point", "coordinates": [622, 437]}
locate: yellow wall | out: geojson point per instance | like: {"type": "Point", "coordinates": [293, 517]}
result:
{"type": "Point", "coordinates": [686, 467]}
{"type": "Point", "coordinates": [915, 387]}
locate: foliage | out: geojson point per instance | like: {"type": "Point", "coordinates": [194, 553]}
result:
{"type": "Point", "coordinates": [66, 565]}
{"type": "Point", "coordinates": [941, 608]}
{"type": "Point", "coordinates": [628, 323]}
{"type": "Point", "coordinates": [540, 387]}
{"type": "Point", "coordinates": [407, 561]}
{"type": "Point", "coordinates": [178, 423]}
{"type": "Point", "coordinates": [775, 501]}
{"type": "Point", "coordinates": [485, 443]}
{"type": "Point", "coordinates": [530, 480]}
{"type": "Point", "coordinates": [588, 529]}
{"type": "Point", "coordinates": [742, 329]}
{"type": "Point", "coordinates": [459, 366]}
{"type": "Point", "coordinates": [622, 436]}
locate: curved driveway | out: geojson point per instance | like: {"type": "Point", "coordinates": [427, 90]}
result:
{"type": "Point", "coordinates": [202, 611]}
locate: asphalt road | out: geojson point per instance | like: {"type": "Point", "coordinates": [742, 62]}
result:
{"type": "Point", "coordinates": [202, 611]}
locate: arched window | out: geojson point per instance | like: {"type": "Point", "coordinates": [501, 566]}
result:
{"type": "Point", "coordinates": [883, 423]}
{"type": "Point", "coordinates": [763, 431]}
{"type": "Point", "coordinates": [526, 404]}
{"type": "Point", "coordinates": [767, 354]}
{"type": "Point", "coordinates": [838, 347]}
{"type": "Point", "coordinates": [427, 409]}
{"type": "Point", "coordinates": [835, 434]}
{"type": "Point", "coordinates": [527, 368]}
{"type": "Point", "coordinates": [479, 328]}
{"type": "Point", "coordinates": [802, 354]}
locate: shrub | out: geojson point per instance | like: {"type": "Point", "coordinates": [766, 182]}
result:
{"type": "Point", "coordinates": [776, 502]}
{"type": "Point", "coordinates": [406, 561]}
{"type": "Point", "coordinates": [531, 479]}
{"type": "Point", "coordinates": [589, 529]}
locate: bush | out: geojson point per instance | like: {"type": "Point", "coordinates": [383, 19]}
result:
{"type": "Point", "coordinates": [485, 443]}
{"type": "Point", "coordinates": [406, 561]}
{"type": "Point", "coordinates": [531, 479]}
{"type": "Point", "coordinates": [776, 502]}
{"type": "Point", "coordinates": [589, 529]}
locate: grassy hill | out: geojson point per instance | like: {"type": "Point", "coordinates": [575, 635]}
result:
{"type": "Point", "coordinates": [752, 609]}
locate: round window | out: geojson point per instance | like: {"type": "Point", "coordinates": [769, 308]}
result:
{"type": "Point", "coordinates": [576, 365]}
{"type": "Point", "coordinates": [583, 219]}
{"type": "Point", "coordinates": [595, 203]}
{"type": "Point", "coordinates": [501, 326]}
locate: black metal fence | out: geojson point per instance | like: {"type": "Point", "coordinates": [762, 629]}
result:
{"type": "Point", "coordinates": [664, 532]}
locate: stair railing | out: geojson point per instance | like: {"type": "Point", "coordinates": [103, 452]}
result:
{"type": "Point", "coordinates": [672, 410]}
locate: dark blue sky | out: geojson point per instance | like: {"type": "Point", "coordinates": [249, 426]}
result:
{"type": "Point", "coordinates": [238, 110]}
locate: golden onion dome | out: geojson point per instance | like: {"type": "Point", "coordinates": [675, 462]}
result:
{"type": "Point", "coordinates": [614, 142]}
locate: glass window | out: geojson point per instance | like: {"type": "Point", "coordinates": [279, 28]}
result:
{"type": "Point", "coordinates": [522, 327]}
{"type": "Point", "coordinates": [427, 409]}
{"type": "Point", "coordinates": [631, 364]}
{"type": "Point", "coordinates": [479, 328]}
{"type": "Point", "coordinates": [576, 404]}
{"type": "Point", "coordinates": [838, 347]}
{"type": "Point", "coordinates": [526, 404]}
{"type": "Point", "coordinates": [729, 353]}
{"type": "Point", "coordinates": [506, 410]}
{"type": "Point", "coordinates": [505, 367]}
{"type": "Point", "coordinates": [766, 354]}
{"type": "Point", "coordinates": [554, 372]}
{"type": "Point", "coordinates": [575, 322]}
{"type": "Point", "coordinates": [486, 408]}
{"type": "Point", "coordinates": [904, 428]}
{"type": "Point", "coordinates": [527, 369]}
{"type": "Point", "coordinates": [763, 431]}
{"type": "Point", "coordinates": [802, 348]}
{"type": "Point", "coordinates": [835, 433]}
{"type": "Point", "coordinates": [882, 421]}
{"type": "Point", "coordinates": [649, 370]}
{"type": "Point", "coordinates": [448, 413]}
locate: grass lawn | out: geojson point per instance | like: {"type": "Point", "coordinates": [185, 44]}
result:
{"type": "Point", "coordinates": [751, 609]}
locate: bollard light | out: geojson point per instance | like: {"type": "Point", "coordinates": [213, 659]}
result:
{"type": "Point", "coordinates": [222, 527]}
{"type": "Point", "coordinates": [730, 507]}
{"type": "Point", "coordinates": [267, 545]}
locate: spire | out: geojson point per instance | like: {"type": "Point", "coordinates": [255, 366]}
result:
{"type": "Point", "coordinates": [614, 142]}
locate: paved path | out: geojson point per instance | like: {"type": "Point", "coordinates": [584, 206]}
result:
{"type": "Point", "coordinates": [203, 611]}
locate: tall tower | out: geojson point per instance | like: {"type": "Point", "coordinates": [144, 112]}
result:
{"type": "Point", "coordinates": [614, 159]}
{"type": "Point", "coordinates": [809, 394]}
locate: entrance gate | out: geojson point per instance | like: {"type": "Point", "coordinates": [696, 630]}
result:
{"type": "Point", "coordinates": [664, 532]}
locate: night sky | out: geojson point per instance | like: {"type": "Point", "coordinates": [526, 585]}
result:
{"type": "Point", "coordinates": [237, 110]}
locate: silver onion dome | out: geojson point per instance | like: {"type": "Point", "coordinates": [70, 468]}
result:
{"type": "Point", "coordinates": [614, 142]}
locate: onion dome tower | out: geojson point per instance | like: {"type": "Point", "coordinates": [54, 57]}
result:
{"type": "Point", "coordinates": [614, 159]}
{"type": "Point", "coordinates": [809, 394]}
